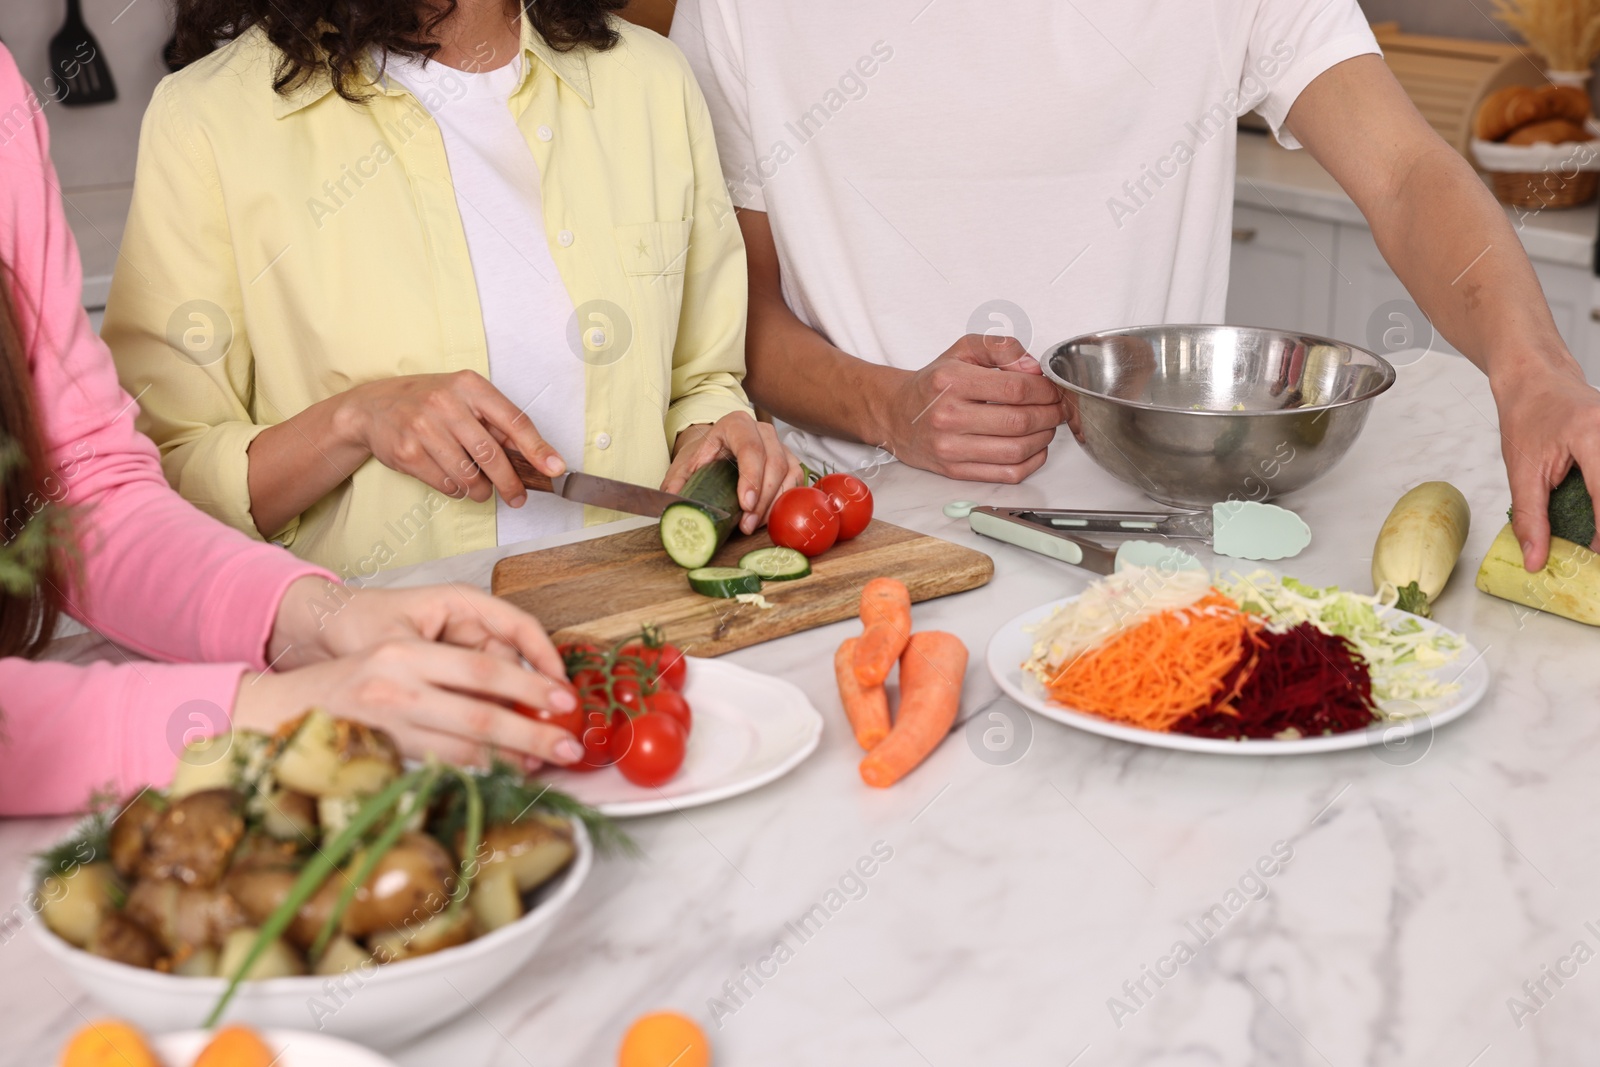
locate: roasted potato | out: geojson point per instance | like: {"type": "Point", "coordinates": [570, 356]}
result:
{"type": "Point", "coordinates": [289, 816]}
{"type": "Point", "coordinates": [198, 962]}
{"type": "Point", "coordinates": [278, 960]}
{"type": "Point", "coordinates": [534, 849]}
{"type": "Point", "coordinates": [327, 757]}
{"type": "Point", "coordinates": [411, 883]}
{"type": "Point", "coordinates": [131, 830]}
{"type": "Point", "coordinates": [209, 763]}
{"type": "Point", "coordinates": [260, 889]}
{"type": "Point", "coordinates": [194, 839]}
{"type": "Point", "coordinates": [342, 954]}
{"type": "Point", "coordinates": [495, 900]}
{"type": "Point", "coordinates": [73, 903]}
{"type": "Point", "coordinates": [442, 931]}
{"type": "Point", "coordinates": [120, 938]}
{"type": "Point", "coordinates": [184, 918]}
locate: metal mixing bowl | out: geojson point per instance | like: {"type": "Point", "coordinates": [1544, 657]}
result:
{"type": "Point", "coordinates": [1191, 415]}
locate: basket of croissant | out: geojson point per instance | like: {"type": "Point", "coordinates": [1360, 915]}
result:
{"type": "Point", "coordinates": [1540, 147]}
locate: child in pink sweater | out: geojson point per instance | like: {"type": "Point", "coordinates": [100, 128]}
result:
{"type": "Point", "coordinates": [260, 635]}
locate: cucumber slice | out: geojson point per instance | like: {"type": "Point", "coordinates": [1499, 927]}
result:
{"type": "Point", "coordinates": [725, 582]}
{"type": "Point", "coordinates": [690, 533]}
{"type": "Point", "coordinates": [776, 564]}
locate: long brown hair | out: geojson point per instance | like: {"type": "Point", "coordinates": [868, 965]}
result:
{"type": "Point", "coordinates": [31, 601]}
{"type": "Point", "coordinates": [333, 35]}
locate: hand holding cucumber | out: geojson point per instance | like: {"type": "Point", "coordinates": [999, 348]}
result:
{"type": "Point", "coordinates": [766, 468]}
{"type": "Point", "coordinates": [1549, 420]}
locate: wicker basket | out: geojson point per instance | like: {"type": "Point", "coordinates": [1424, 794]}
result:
{"type": "Point", "coordinates": [1542, 189]}
{"type": "Point", "coordinates": [1542, 175]}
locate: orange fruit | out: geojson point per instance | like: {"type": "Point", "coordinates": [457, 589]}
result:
{"type": "Point", "coordinates": [108, 1043]}
{"type": "Point", "coordinates": [235, 1046]}
{"type": "Point", "coordinates": [664, 1039]}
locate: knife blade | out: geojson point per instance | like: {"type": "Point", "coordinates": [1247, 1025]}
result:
{"type": "Point", "coordinates": [600, 492]}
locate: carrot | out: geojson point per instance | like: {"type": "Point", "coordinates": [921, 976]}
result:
{"type": "Point", "coordinates": [867, 707]}
{"type": "Point", "coordinates": [1154, 674]}
{"type": "Point", "coordinates": [886, 614]}
{"type": "Point", "coordinates": [931, 672]}
{"type": "Point", "coordinates": [236, 1046]}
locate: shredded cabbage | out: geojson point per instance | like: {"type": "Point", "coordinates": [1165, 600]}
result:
{"type": "Point", "coordinates": [1110, 605]}
{"type": "Point", "coordinates": [1401, 652]}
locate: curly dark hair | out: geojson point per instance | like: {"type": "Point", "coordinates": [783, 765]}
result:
{"type": "Point", "coordinates": [332, 35]}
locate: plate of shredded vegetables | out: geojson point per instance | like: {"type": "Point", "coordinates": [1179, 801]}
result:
{"type": "Point", "coordinates": [1253, 664]}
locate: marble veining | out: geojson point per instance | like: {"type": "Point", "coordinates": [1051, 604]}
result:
{"type": "Point", "coordinates": [1425, 887]}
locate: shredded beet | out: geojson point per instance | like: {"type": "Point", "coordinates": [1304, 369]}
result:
{"type": "Point", "coordinates": [1301, 679]}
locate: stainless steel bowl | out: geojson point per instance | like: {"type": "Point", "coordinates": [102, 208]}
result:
{"type": "Point", "coordinates": [1191, 415]}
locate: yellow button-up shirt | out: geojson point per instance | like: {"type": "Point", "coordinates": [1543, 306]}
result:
{"type": "Point", "coordinates": [284, 248]}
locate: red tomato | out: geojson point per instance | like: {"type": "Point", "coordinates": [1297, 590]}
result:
{"type": "Point", "coordinates": [648, 750]}
{"type": "Point", "coordinates": [850, 497]}
{"type": "Point", "coordinates": [626, 692]}
{"type": "Point", "coordinates": [671, 702]}
{"type": "Point", "coordinates": [802, 519]}
{"type": "Point", "coordinates": [579, 654]}
{"type": "Point", "coordinates": [666, 662]}
{"type": "Point", "coordinates": [672, 665]}
{"type": "Point", "coordinates": [588, 679]}
{"type": "Point", "coordinates": [596, 739]}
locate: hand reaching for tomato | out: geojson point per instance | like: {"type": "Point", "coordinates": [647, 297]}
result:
{"type": "Point", "coordinates": [631, 713]}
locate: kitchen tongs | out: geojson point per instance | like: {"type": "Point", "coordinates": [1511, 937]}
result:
{"type": "Point", "coordinates": [1057, 533]}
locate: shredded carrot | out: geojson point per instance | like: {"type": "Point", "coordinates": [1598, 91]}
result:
{"type": "Point", "coordinates": [1168, 666]}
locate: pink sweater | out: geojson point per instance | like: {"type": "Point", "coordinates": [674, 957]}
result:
{"type": "Point", "coordinates": [155, 574]}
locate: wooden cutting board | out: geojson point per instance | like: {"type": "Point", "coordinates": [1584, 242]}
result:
{"type": "Point", "coordinates": [607, 589]}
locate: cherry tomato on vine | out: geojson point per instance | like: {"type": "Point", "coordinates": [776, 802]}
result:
{"type": "Point", "coordinates": [665, 661]}
{"type": "Point", "coordinates": [626, 692]}
{"type": "Point", "coordinates": [648, 750]}
{"type": "Point", "coordinates": [804, 520]}
{"type": "Point", "coordinates": [670, 702]}
{"type": "Point", "coordinates": [851, 499]}
{"type": "Point", "coordinates": [596, 740]}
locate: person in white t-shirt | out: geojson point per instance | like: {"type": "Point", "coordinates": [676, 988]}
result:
{"type": "Point", "coordinates": [932, 189]}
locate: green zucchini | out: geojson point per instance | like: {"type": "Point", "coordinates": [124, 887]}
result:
{"type": "Point", "coordinates": [776, 564]}
{"type": "Point", "coordinates": [693, 530]}
{"type": "Point", "coordinates": [724, 582]}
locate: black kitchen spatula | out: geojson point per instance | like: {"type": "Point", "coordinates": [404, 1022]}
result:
{"type": "Point", "coordinates": [81, 73]}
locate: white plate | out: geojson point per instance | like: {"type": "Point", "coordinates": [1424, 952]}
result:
{"type": "Point", "coordinates": [1012, 645]}
{"type": "Point", "coordinates": [749, 729]}
{"type": "Point", "coordinates": [295, 1048]}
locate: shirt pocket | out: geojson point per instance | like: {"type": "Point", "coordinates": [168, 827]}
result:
{"type": "Point", "coordinates": [652, 249]}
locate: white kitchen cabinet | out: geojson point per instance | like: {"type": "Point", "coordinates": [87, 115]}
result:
{"type": "Point", "coordinates": [1299, 273]}
{"type": "Point", "coordinates": [1370, 306]}
{"type": "Point", "coordinates": [1281, 272]}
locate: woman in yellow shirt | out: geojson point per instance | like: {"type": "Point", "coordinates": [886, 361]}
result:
{"type": "Point", "coordinates": [372, 245]}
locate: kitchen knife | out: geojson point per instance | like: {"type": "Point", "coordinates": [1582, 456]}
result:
{"type": "Point", "coordinates": [600, 492]}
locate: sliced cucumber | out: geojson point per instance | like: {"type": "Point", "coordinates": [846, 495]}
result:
{"type": "Point", "coordinates": [692, 533]}
{"type": "Point", "coordinates": [725, 582]}
{"type": "Point", "coordinates": [776, 564]}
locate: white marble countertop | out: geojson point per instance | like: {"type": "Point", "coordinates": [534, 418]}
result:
{"type": "Point", "coordinates": [1421, 894]}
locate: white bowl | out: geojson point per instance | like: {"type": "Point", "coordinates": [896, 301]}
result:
{"type": "Point", "coordinates": [294, 1048]}
{"type": "Point", "coordinates": [383, 1007]}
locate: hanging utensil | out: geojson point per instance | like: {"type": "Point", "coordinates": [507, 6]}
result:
{"type": "Point", "coordinates": [81, 73]}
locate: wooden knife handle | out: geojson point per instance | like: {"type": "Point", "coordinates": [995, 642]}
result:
{"type": "Point", "coordinates": [532, 477]}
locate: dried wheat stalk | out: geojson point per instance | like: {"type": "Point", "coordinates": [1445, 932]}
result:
{"type": "Point", "coordinates": [1565, 32]}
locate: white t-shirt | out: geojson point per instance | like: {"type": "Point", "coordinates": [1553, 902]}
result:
{"type": "Point", "coordinates": [524, 303]}
{"type": "Point", "coordinates": [1044, 169]}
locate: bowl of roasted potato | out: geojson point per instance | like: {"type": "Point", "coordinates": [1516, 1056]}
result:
{"type": "Point", "coordinates": [313, 880]}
